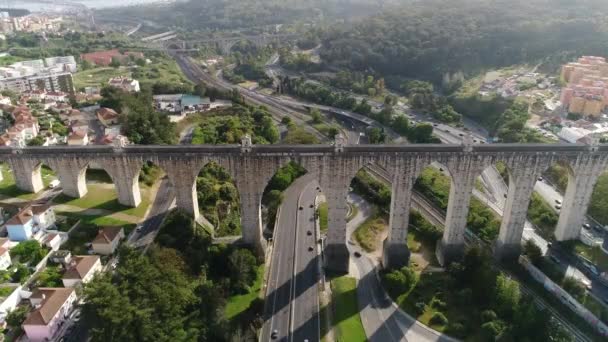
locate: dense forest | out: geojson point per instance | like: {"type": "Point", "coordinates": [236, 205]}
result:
{"type": "Point", "coordinates": [239, 14]}
{"type": "Point", "coordinates": [429, 39]}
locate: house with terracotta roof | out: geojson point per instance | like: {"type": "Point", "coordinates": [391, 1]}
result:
{"type": "Point", "coordinates": [81, 269]}
{"type": "Point", "coordinates": [107, 116]}
{"type": "Point", "coordinates": [107, 240]}
{"type": "Point", "coordinates": [29, 221]}
{"type": "Point", "coordinates": [78, 138]}
{"type": "Point", "coordinates": [52, 307]}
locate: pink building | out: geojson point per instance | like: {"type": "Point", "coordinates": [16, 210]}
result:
{"type": "Point", "coordinates": [52, 307]}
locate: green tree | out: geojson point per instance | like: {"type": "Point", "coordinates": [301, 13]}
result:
{"type": "Point", "coordinates": [533, 252]}
{"type": "Point", "coordinates": [16, 317]}
{"type": "Point", "coordinates": [36, 141]}
{"type": "Point", "coordinates": [574, 288]}
{"type": "Point", "coordinates": [243, 267]}
{"type": "Point", "coordinates": [115, 63]}
{"type": "Point", "coordinates": [507, 295]}
{"type": "Point", "coordinates": [316, 116]}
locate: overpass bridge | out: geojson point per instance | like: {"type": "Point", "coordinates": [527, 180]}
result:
{"type": "Point", "coordinates": [225, 44]}
{"type": "Point", "coordinates": [334, 166]}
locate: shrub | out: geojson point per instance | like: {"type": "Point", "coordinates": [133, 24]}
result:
{"type": "Point", "coordinates": [488, 316]}
{"type": "Point", "coordinates": [457, 330]}
{"type": "Point", "coordinates": [438, 303]}
{"type": "Point", "coordinates": [419, 308]}
{"type": "Point", "coordinates": [439, 319]}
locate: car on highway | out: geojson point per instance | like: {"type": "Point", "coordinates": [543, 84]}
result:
{"type": "Point", "coordinates": [311, 206]}
{"type": "Point", "coordinates": [274, 334]}
{"type": "Point", "coordinates": [301, 208]}
{"type": "Point", "coordinates": [311, 248]}
{"type": "Point", "coordinates": [309, 233]}
{"type": "Point", "coordinates": [558, 201]}
{"type": "Point", "coordinates": [357, 254]}
{"type": "Point", "coordinates": [587, 225]}
{"type": "Point", "coordinates": [540, 179]}
{"type": "Point", "coordinates": [558, 206]}
{"type": "Point", "coordinates": [138, 228]}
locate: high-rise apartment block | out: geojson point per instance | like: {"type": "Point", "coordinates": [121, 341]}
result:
{"type": "Point", "coordinates": [586, 92]}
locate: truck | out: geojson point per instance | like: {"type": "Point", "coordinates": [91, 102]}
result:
{"type": "Point", "coordinates": [54, 183]}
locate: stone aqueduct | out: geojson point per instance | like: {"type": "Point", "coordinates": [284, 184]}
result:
{"type": "Point", "coordinates": [334, 167]}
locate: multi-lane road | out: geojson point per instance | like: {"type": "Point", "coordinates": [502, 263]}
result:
{"type": "Point", "coordinates": [292, 295]}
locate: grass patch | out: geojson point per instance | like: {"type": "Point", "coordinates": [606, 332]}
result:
{"type": "Point", "coordinates": [346, 310]}
{"type": "Point", "coordinates": [369, 234]}
{"type": "Point", "coordinates": [239, 303]}
{"type": "Point", "coordinates": [413, 244]}
{"type": "Point", "coordinates": [595, 254]}
{"type": "Point", "coordinates": [597, 308]}
{"type": "Point", "coordinates": [322, 213]}
{"type": "Point", "coordinates": [102, 197]}
{"type": "Point", "coordinates": [97, 76]}
{"type": "Point", "coordinates": [9, 188]}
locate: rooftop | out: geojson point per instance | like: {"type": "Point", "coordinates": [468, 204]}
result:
{"type": "Point", "coordinates": [53, 300]}
{"type": "Point", "coordinates": [81, 265]}
{"type": "Point", "coordinates": [107, 234]}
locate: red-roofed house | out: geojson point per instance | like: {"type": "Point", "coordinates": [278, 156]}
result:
{"type": "Point", "coordinates": [107, 240]}
{"type": "Point", "coordinates": [81, 269]}
{"type": "Point", "coordinates": [107, 116]}
{"type": "Point", "coordinates": [52, 307]}
{"type": "Point", "coordinates": [78, 138]}
{"type": "Point", "coordinates": [104, 58]}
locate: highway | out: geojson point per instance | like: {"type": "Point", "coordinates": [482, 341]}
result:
{"type": "Point", "coordinates": [151, 225]}
{"type": "Point", "coordinates": [292, 298]}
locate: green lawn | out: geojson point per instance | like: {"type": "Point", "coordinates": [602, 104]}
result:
{"type": "Point", "coordinates": [369, 234]}
{"type": "Point", "coordinates": [322, 212]}
{"type": "Point", "coordinates": [97, 76]}
{"type": "Point", "coordinates": [594, 254]}
{"type": "Point", "coordinates": [239, 303]}
{"type": "Point", "coordinates": [103, 197]}
{"type": "Point", "coordinates": [9, 188]}
{"type": "Point", "coordinates": [346, 319]}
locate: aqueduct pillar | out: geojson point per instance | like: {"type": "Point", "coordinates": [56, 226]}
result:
{"type": "Point", "coordinates": [577, 198]}
{"type": "Point", "coordinates": [515, 212]}
{"type": "Point", "coordinates": [27, 174]}
{"type": "Point", "coordinates": [396, 253]}
{"type": "Point", "coordinates": [72, 176]}
{"type": "Point", "coordinates": [125, 175]}
{"type": "Point", "coordinates": [451, 246]}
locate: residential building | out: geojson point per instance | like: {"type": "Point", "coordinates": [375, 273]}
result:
{"type": "Point", "coordinates": [52, 307]}
{"type": "Point", "coordinates": [180, 103]}
{"type": "Point", "coordinates": [107, 116]}
{"type": "Point", "coordinates": [587, 90]}
{"type": "Point", "coordinates": [127, 84]}
{"type": "Point", "coordinates": [81, 270]}
{"type": "Point", "coordinates": [5, 100]}
{"type": "Point", "coordinates": [107, 240]}
{"type": "Point", "coordinates": [5, 259]}
{"type": "Point", "coordinates": [56, 82]}
{"type": "Point", "coordinates": [52, 241]}
{"type": "Point", "coordinates": [30, 220]}
{"type": "Point", "coordinates": [57, 96]}
{"type": "Point", "coordinates": [78, 138]}
{"type": "Point", "coordinates": [66, 63]}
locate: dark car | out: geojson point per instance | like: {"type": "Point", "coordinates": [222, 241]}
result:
{"type": "Point", "coordinates": [312, 206]}
{"type": "Point", "coordinates": [274, 334]}
{"type": "Point", "coordinates": [301, 207]}
{"type": "Point", "coordinates": [357, 254]}
{"type": "Point", "coordinates": [311, 248]}
{"type": "Point", "coordinates": [309, 233]}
